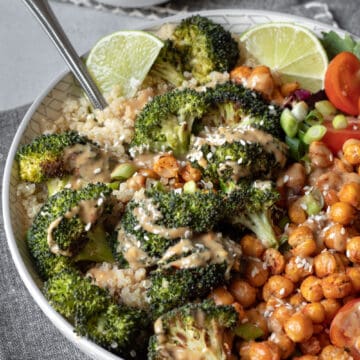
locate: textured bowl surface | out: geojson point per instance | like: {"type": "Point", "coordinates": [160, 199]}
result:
{"type": "Point", "coordinates": [48, 105]}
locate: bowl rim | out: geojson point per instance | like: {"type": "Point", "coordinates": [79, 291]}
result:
{"type": "Point", "coordinates": [85, 345]}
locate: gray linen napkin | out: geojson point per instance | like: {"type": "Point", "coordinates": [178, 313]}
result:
{"type": "Point", "coordinates": [25, 332]}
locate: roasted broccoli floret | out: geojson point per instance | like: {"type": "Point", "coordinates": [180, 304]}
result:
{"type": "Point", "coordinates": [197, 330]}
{"type": "Point", "coordinates": [205, 46]}
{"type": "Point", "coordinates": [60, 229]}
{"type": "Point", "coordinates": [172, 287]}
{"type": "Point", "coordinates": [228, 154]}
{"type": "Point", "coordinates": [190, 269]}
{"type": "Point", "coordinates": [232, 104]}
{"type": "Point", "coordinates": [169, 65]}
{"type": "Point", "coordinates": [43, 157]}
{"type": "Point", "coordinates": [166, 122]}
{"type": "Point", "coordinates": [159, 218]}
{"type": "Point", "coordinates": [95, 315]}
{"type": "Point", "coordinates": [119, 329]}
{"type": "Point", "coordinates": [199, 210]}
{"type": "Point", "coordinates": [70, 294]}
{"type": "Point", "coordinates": [251, 205]}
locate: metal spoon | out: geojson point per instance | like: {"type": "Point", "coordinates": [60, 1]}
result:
{"type": "Point", "coordinates": [43, 13]}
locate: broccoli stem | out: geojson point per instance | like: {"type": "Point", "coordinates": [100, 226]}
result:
{"type": "Point", "coordinates": [260, 224]}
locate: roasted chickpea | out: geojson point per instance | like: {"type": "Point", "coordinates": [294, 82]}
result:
{"type": "Point", "coordinates": [327, 263]}
{"type": "Point", "coordinates": [136, 182]}
{"type": "Point", "coordinates": [320, 155]}
{"type": "Point", "coordinates": [331, 352]}
{"type": "Point", "coordinates": [240, 73]}
{"type": "Point", "coordinates": [274, 260]}
{"type": "Point", "coordinates": [299, 328]}
{"type": "Point", "coordinates": [335, 237]}
{"type": "Point", "coordinates": [240, 310]}
{"type": "Point", "coordinates": [244, 347]}
{"type": "Point", "coordinates": [284, 343]}
{"type": "Point", "coordinates": [243, 292]}
{"type": "Point", "coordinates": [221, 296]}
{"type": "Point", "coordinates": [315, 312]}
{"type": "Point", "coordinates": [342, 213]}
{"type": "Point", "coordinates": [288, 88]}
{"type": "Point", "coordinates": [261, 80]}
{"type": "Point", "coordinates": [336, 286]}
{"type": "Point", "coordinates": [189, 173]}
{"type": "Point", "coordinates": [294, 177]}
{"type": "Point", "coordinates": [298, 268]}
{"type": "Point", "coordinates": [311, 346]}
{"type": "Point", "coordinates": [264, 350]}
{"type": "Point", "coordinates": [256, 272]}
{"type": "Point", "coordinates": [251, 246]}
{"type": "Point", "coordinates": [278, 286]}
{"type": "Point", "coordinates": [302, 240]}
{"type": "Point", "coordinates": [296, 300]}
{"type": "Point", "coordinates": [354, 274]}
{"type": "Point", "coordinates": [311, 289]}
{"type": "Point", "coordinates": [330, 197]}
{"type": "Point", "coordinates": [296, 213]}
{"type": "Point", "coordinates": [351, 150]}
{"type": "Point", "coordinates": [306, 357]}
{"type": "Point", "coordinates": [148, 173]}
{"type": "Point", "coordinates": [331, 307]}
{"type": "Point", "coordinates": [342, 166]}
{"type": "Point", "coordinates": [166, 166]}
{"type": "Point", "coordinates": [281, 314]}
{"type": "Point", "coordinates": [353, 249]}
{"type": "Point", "coordinates": [255, 317]}
{"type": "Point", "coordinates": [350, 193]}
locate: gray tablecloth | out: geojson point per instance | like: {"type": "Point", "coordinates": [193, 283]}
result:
{"type": "Point", "coordinates": [25, 333]}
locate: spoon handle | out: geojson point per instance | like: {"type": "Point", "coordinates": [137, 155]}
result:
{"type": "Point", "coordinates": [43, 13]}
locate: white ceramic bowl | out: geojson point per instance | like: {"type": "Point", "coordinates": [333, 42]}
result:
{"type": "Point", "coordinates": [48, 104]}
{"type": "Point", "coordinates": [133, 3]}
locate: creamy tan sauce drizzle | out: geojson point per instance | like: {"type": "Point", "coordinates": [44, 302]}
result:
{"type": "Point", "coordinates": [88, 211]}
{"type": "Point", "coordinates": [210, 248]}
{"type": "Point", "coordinates": [133, 254]}
{"type": "Point", "coordinates": [87, 163]}
{"type": "Point", "coordinates": [271, 144]}
{"type": "Point", "coordinates": [147, 222]}
{"type": "Point", "coordinates": [146, 160]}
{"type": "Point", "coordinates": [230, 135]}
{"type": "Point", "coordinates": [54, 247]}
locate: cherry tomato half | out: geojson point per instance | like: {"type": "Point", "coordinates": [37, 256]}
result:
{"type": "Point", "coordinates": [342, 82]}
{"type": "Point", "coordinates": [335, 139]}
{"type": "Point", "coordinates": [345, 328]}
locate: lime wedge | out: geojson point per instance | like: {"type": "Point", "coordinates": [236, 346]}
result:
{"type": "Point", "coordinates": [123, 59]}
{"type": "Point", "coordinates": [290, 50]}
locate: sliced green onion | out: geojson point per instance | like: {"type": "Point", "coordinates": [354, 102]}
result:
{"type": "Point", "coordinates": [297, 148]}
{"type": "Point", "coordinates": [314, 117]}
{"type": "Point", "coordinates": [340, 122]}
{"type": "Point", "coordinates": [123, 171]}
{"type": "Point", "coordinates": [282, 223]}
{"type": "Point", "coordinates": [300, 110]}
{"type": "Point", "coordinates": [325, 107]}
{"type": "Point", "coordinates": [289, 123]}
{"type": "Point", "coordinates": [190, 187]}
{"type": "Point", "coordinates": [114, 185]}
{"type": "Point", "coordinates": [315, 133]}
{"type": "Point", "coordinates": [313, 202]}
{"type": "Point", "coordinates": [248, 331]}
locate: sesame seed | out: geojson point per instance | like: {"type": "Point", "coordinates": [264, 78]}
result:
{"type": "Point", "coordinates": [97, 171]}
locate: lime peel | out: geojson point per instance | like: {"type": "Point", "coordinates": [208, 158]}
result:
{"type": "Point", "coordinates": [290, 50]}
{"type": "Point", "coordinates": [122, 60]}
